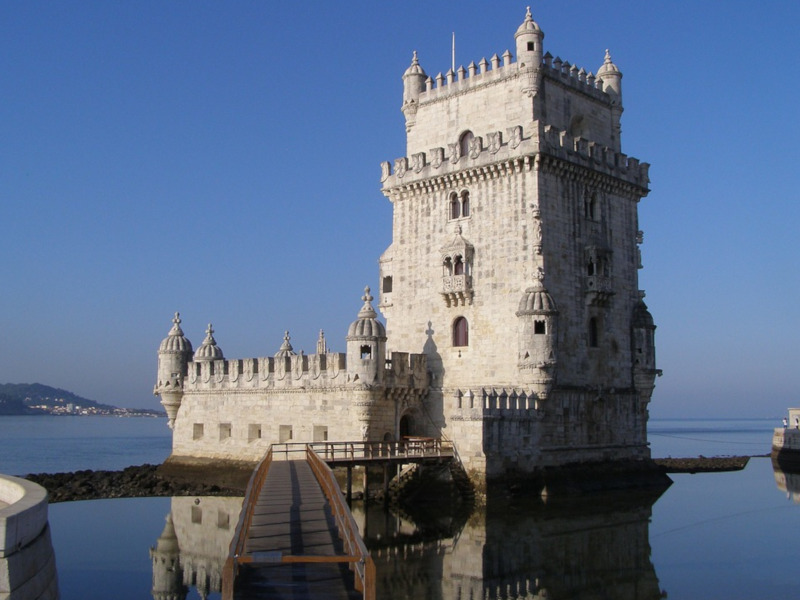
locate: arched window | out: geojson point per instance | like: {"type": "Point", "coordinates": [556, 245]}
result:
{"type": "Point", "coordinates": [465, 203]}
{"type": "Point", "coordinates": [464, 141]}
{"type": "Point", "coordinates": [455, 207]}
{"type": "Point", "coordinates": [448, 267]}
{"type": "Point", "coordinates": [460, 332]}
{"type": "Point", "coordinates": [458, 267]}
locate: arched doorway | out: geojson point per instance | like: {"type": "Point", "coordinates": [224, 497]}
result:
{"type": "Point", "coordinates": [406, 426]}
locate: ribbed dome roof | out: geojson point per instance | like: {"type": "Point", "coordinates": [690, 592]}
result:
{"type": "Point", "coordinates": [415, 68]}
{"type": "Point", "coordinates": [286, 348]}
{"type": "Point", "coordinates": [367, 324]}
{"type": "Point", "coordinates": [642, 319]}
{"type": "Point", "coordinates": [528, 25]}
{"type": "Point", "coordinates": [536, 301]}
{"type": "Point", "coordinates": [175, 340]}
{"type": "Point", "coordinates": [209, 350]}
{"type": "Point", "coordinates": [607, 67]}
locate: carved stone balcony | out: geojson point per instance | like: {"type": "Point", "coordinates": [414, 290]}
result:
{"type": "Point", "coordinates": [599, 290]}
{"type": "Point", "coordinates": [457, 289]}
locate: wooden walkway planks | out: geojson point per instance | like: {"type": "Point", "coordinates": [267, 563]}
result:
{"type": "Point", "coordinates": [293, 517]}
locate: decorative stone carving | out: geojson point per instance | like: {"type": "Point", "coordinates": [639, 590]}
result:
{"type": "Point", "coordinates": [475, 147]}
{"type": "Point", "coordinates": [495, 141]}
{"type": "Point", "coordinates": [515, 136]}
{"type": "Point", "coordinates": [400, 166]}
{"type": "Point", "coordinates": [418, 161]}
{"type": "Point", "coordinates": [437, 157]}
{"type": "Point", "coordinates": [386, 170]}
{"type": "Point", "coordinates": [455, 152]}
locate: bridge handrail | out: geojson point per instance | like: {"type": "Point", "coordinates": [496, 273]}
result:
{"type": "Point", "coordinates": [408, 447]}
{"type": "Point", "coordinates": [237, 547]}
{"type": "Point", "coordinates": [354, 545]}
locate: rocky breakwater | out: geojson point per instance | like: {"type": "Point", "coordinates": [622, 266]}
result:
{"type": "Point", "coordinates": [132, 482]}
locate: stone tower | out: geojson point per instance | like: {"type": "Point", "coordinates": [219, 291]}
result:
{"type": "Point", "coordinates": [514, 260]}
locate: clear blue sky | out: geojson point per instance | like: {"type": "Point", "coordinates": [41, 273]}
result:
{"type": "Point", "coordinates": [222, 159]}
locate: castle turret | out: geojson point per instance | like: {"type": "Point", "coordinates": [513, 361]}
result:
{"type": "Point", "coordinates": [529, 38]}
{"type": "Point", "coordinates": [366, 345]}
{"type": "Point", "coordinates": [413, 85]}
{"type": "Point", "coordinates": [644, 351]}
{"type": "Point", "coordinates": [538, 337]}
{"type": "Point", "coordinates": [208, 350]}
{"type": "Point", "coordinates": [174, 355]}
{"type": "Point", "coordinates": [167, 572]}
{"type": "Point", "coordinates": [611, 77]}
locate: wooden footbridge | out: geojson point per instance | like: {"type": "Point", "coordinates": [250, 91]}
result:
{"type": "Point", "coordinates": [296, 538]}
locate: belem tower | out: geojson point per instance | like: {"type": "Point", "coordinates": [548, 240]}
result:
{"type": "Point", "coordinates": [515, 326]}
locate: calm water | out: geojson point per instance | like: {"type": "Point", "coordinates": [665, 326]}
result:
{"type": "Point", "coordinates": [720, 535]}
{"type": "Point", "coordinates": [47, 444]}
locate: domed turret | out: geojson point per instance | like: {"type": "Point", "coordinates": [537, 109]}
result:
{"type": "Point", "coordinates": [538, 336]}
{"type": "Point", "coordinates": [413, 85]}
{"type": "Point", "coordinates": [174, 355]}
{"type": "Point", "coordinates": [208, 350]}
{"type": "Point", "coordinates": [529, 37]}
{"type": "Point", "coordinates": [167, 572]}
{"type": "Point", "coordinates": [286, 349]}
{"type": "Point", "coordinates": [366, 345]}
{"type": "Point", "coordinates": [611, 77]}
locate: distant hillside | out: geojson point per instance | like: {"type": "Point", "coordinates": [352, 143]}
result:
{"type": "Point", "coordinates": [18, 398]}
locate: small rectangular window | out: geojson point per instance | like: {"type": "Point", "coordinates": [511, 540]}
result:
{"type": "Point", "coordinates": [197, 431]}
{"type": "Point", "coordinates": [366, 352]}
{"type": "Point", "coordinates": [224, 431]}
{"type": "Point", "coordinates": [285, 434]}
{"type": "Point", "coordinates": [387, 284]}
{"type": "Point", "coordinates": [320, 433]}
{"type": "Point", "coordinates": [253, 432]}
{"type": "Point", "coordinates": [539, 327]}
{"type": "Point", "coordinates": [223, 519]}
{"type": "Point", "coordinates": [197, 514]}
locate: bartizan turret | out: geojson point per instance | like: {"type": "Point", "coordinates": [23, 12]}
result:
{"type": "Point", "coordinates": [413, 85]}
{"type": "Point", "coordinates": [529, 38]}
{"type": "Point", "coordinates": [174, 355]}
{"type": "Point", "coordinates": [644, 352]}
{"type": "Point", "coordinates": [538, 337]}
{"type": "Point", "coordinates": [366, 346]}
{"type": "Point", "coordinates": [611, 78]}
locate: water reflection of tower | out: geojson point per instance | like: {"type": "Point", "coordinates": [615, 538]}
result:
{"type": "Point", "coordinates": [192, 549]}
{"type": "Point", "coordinates": [167, 572]}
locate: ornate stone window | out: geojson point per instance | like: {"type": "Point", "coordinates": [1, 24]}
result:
{"type": "Point", "coordinates": [591, 208]}
{"type": "Point", "coordinates": [460, 332]}
{"type": "Point", "coordinates": [465, 203]}
{"type": "Point", "coordinates": [457, 259]}
{"type": "Point", "coordinates": [455, 206]}
{"type": "Point", "coordinates": [599, 286]}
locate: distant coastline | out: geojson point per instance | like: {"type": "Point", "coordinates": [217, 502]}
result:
{"type": "Point", "coordinates": [30, 399]}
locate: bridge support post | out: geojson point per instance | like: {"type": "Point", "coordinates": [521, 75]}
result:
{"type": "Point", "coordinates": [385, 483]}
{"type": "Point", "coordinates": [349, 485]}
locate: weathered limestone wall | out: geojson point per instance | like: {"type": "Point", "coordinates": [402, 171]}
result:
{"type": "Point", "coordinates": [27, 561]}
{"type": "Point", "coordinates": [226, 425]}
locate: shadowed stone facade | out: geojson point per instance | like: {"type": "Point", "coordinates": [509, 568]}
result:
{"type": "Point", "coordinates": [511, 279]}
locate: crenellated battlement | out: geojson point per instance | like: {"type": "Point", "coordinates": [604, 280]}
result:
{"type": "Point", "coordinates": [299, 371]}
{"type": "Point", "coordinates": [502, 68]}
{"type": "Point", "coordinates": [491, 150]}
{"type": "Point", "coordinates": [575, 77]}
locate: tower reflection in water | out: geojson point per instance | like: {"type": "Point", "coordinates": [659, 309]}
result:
{"type": "Point", "coordinates": [192, 548]}
{"type": "Point", "coordinates": [519, 549]}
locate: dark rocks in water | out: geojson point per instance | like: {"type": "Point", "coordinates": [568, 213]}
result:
{"type": "Point", "coordinates": [703, 464]}
{"type": "Point", "coordinates": [132, 482]}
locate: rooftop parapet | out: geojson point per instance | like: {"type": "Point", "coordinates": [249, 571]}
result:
{"type": "Point", "coordinates": [300, 371]}
{"type": "Point", "coordinates": [499, 68]}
